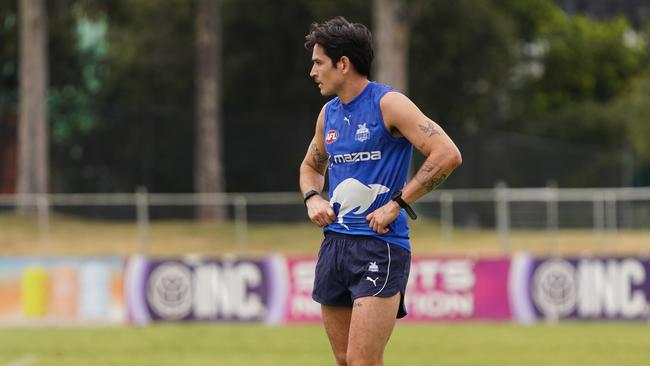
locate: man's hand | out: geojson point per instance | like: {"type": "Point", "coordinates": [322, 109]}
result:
{"type": "Point", "coordinates": [320, 212]}
{"type": "Point", "coordinates": [380, 218]}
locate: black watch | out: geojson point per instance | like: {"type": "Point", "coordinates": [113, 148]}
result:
{"type": "Point", "coordinates": [309, 195]}
{"type": "Point", "coordinates": [397, 197]}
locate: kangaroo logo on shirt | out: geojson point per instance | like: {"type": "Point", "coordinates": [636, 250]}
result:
{"type": "Point", "coordinates": [352, 194]}
{"type": "Point", "coordinates": [363, 133]}
{"type": "Point", "coordinates": [373, 267]}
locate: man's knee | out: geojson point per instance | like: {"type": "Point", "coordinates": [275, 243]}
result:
{"type": "Point", "coordinates": [359, 359]}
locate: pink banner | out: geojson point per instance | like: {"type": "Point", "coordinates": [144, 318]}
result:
{"type": "Point", "coordinates": [301, 307]}
{"type": "Point", "coordinates": [491, 291]}
{"type": "Point", "coordinates": [457, 289]}
{"type": "Point", "coordinates": [439, 289]}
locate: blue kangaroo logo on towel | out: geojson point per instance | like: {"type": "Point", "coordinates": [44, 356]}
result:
{"type": "Point", "coordinates": [351, 194]}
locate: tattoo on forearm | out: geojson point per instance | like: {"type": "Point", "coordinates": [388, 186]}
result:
{"type": "Point", "coordinates": [430, 176]}
{"type": "Point", "coordinates": [429, 128]}
{"type": "Point", "coordinates": [434, 182]}
{"type": "Point", "coordinates": [319, 159]}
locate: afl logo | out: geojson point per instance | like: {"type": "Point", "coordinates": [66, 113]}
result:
{"type": "Point", "coordinates": [331, 136]}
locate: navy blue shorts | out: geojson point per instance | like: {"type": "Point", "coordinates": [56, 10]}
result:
{"type": "Point", "coordinates": [353, 266]}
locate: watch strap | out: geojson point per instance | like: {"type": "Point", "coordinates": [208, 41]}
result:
{"type": "Point", "coordinates": [397, 197]}
{"type": "Point", "coordinates": [309, 195]}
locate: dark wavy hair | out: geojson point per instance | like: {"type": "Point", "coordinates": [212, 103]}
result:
{"type": "Point", "coordinates": [339, 38]}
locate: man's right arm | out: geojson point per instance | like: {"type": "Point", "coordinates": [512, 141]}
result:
{"type": "Point", "coordinates": [312, 176]}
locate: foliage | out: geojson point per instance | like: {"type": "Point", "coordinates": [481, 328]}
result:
{"type": "Point", "coordinates": [589, 91]}
{"type": "Point", "coordinates": [8, 54]}
{"type": "Point", "coordinates": [585, 60]}
{"type": "Point", "coordinates": [462, 52]}
{"type": "Point", "coordinates": [122, 111]}
{"type": "Point", "coordinates": [632, 108]}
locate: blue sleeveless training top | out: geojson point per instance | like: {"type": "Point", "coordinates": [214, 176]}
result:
{"type": "Point", "coordinates": [366, 164]}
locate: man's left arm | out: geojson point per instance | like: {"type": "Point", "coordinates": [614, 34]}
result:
{"type": "Point", "coordinates": [403, 117]}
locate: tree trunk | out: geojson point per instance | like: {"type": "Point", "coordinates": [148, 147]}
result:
{"type": "Point", "coordinates": [392, 35]}
{"type": "Point", "coordinates": [8, 158]}
{"type": "Point", "coordinates": [33, 129]}
{"type": "Point", "coordinates": [208, 170]}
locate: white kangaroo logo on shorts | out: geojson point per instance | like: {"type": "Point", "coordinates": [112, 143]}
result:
{"type": "Point", "coordinates": [351, 194]}
{"type": "Point", "coordinates": [374, 282]}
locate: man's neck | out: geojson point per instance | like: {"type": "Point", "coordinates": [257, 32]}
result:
{"type": "Point", "coordinates": [352, 89]}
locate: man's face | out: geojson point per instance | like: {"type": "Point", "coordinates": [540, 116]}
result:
{"type": "Point", "coordinates": [328, 76]}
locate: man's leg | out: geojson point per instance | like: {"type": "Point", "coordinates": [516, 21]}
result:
{"type": "Point", "coordinates": [372, 322]}
{"type": "Point", "coordinates": [337, 325]}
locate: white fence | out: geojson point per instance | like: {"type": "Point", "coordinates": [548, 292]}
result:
{"type": "Point", "coordinates": [604, 210]}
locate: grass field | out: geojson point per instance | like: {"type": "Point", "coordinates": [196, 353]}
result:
{"type": "Point", "coordinates": [591, 344]}
{"type": "Point", "coordinates": [74, 236]}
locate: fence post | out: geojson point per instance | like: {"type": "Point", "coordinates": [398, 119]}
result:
{"type": "Point", "coordinates": [241, 220]}
{"type": "Point", "coordinates": [142, 212]}
{"type": "Point", "coordinates": [447, 219]}
{"type": "Point", "coordinates": [43, 212]}
{"type": "Point", "coordinates": [552, 218]}
{"type": "Point", "coordinates": [612, 217]}
{"type": "Point", "coordinates": [502, 215]}
{"type": "Point", "coordinates": [599, 219]}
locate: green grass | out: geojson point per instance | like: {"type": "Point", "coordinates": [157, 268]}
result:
{"type": "Point", "coordinates": [590, 344]}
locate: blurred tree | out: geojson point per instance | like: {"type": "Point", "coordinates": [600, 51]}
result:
{"type": "Point", "coordinates": [638, 11]}
{"type": "Point", "coordinates": [70, 106]}
{"type": "Point", "coordinates": [145, 129]}
{"type": "Point", "coordinates": [270, 103]}
{"type": "Point", "coordinates": [522, 66]}
{"type": "Point", "coordinates": [121, 97]}
{"type": "Point", "coordinates": [8, 88]}
{"type": "Point", "coordinates": [208, 170]}
{"type": "Point", "coordinates": [632, 108]}
{"type": "Point", "coordinates": [33, 129]}
{"type": "Point", "coordinates": [78, 48]}
{"type": "Point", "coordinates": [583, 66]}
{"type": "Point", "coordinates": [584, 59]}
{"type": "Point", "coordinates": [462, 53]}
{"type": "Point", "coordinates": [392, 21]}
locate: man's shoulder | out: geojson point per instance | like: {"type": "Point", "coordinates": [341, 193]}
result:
{"type": "Point", "coordinates": [333, 102]}
{"type": "Point", "coordinates": [393, 99]}
{"type": "Point", "coordinates": [396, 107]}
{"type": "Point", "coordinates": [380, 88]}
{"type": "Point", "coordinates": [384, 91]}
{"type": "Point", "coordinates": [331, 105]}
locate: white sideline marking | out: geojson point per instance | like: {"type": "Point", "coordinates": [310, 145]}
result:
{"type": "Point", "coordinates": [25, 361]}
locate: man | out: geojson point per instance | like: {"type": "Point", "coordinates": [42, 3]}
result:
{"type": "Point", "coordinates": [364, 138]}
